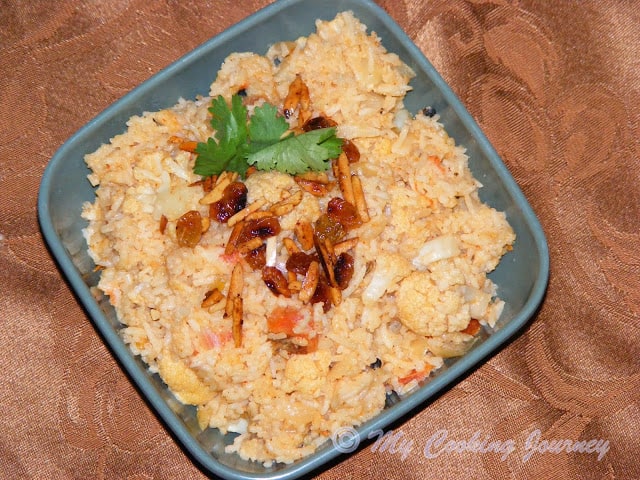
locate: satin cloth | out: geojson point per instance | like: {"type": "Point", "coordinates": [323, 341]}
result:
{"type": "Point", "coordinates": [556, 88]}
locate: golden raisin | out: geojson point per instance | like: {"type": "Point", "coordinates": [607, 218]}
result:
{"type": "Point", "coordinates": [276, 281]}
{"type": "Point", "coordinates": [234, 199]}
{"type": "Point", "coordinates": [327, 227]}
{"type": "Point", "coordinates": [350, 150]}
{"type": "Point", "coordinates": [343, 270]}
{"type": "Point", "coordinates": [298, 262]}
{"type": "Point", "coordinates": [189, 229]}
{"type": "Point", "coordinates": [344, 213]}
{"type": "Point", "coordinates": [317, 123]}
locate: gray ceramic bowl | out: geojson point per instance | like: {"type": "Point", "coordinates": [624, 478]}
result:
{"type": "Point", "coordinates": [521, 276]}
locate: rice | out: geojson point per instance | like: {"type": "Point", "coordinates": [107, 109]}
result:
{"type": "Point", "coordinates": [420, 263]}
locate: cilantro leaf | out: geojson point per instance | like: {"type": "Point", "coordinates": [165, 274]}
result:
{"type": "Point", "coordinates": [266, 127]}
{"type": "Point", "coordinates": [212, 157]}
{"type": "Point", "coordinates": [298, 154]}
{"type": "Point", "coordinates": [230, 125]}
{"type": "Point", "coordinates": [239, 141]}
{"type": "Point", "coordinates": [238, 162]}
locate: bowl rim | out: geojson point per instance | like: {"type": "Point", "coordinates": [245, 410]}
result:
{"type": "Point", "coordinates": [123, 354]}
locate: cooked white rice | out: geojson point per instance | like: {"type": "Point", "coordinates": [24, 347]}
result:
{"type": "Point", "coordinates": [420, 262]}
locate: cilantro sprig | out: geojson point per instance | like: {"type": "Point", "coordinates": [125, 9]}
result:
{"type": "Point", "coordinates": [241, 140]}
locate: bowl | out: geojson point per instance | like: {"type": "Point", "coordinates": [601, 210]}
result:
{"type": "Point", "coordinates": [521, 276]}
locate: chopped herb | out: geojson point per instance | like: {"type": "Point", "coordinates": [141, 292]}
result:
{"type": "Point", "coordinates": [266, 127]}
{"type": "Point", "coordinates": [299, 153]}
{"type": "Point", "coordinates": [227, 150]}
{"type": "Point", "coordinates": [260, 140]}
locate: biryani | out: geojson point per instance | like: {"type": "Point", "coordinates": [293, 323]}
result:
{"type": "Point", "coordinates": [283, 305]}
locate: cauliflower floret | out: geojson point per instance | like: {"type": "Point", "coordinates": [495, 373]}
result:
{"type": "Point", "coordinates": [168, 119]}
{"type": "Point", "coordinates": [424, 309]}
{"type": "Point", "coordinates": [174, 199]}
{"type": "Point", "coordinates": [307, 373]}
{"type": "Point", "coordinates": [409, 210]}
{"type": "Point", "coordinates": [389, 270]}
{"type": "Point", "coordinates": [268, 186]}
{"type": "Point", "coordinates": [439, 248]}
{"type": "Point", "coordinates": [183, 382]}
{"type": "Point", "coordinates": [307, 210]}
{"type": "Point", "coordinates": [182, 339]}
{"type": "Point", "coordinates": [245, 71]}
{"type": "Point", "coordinates": [362, 392]}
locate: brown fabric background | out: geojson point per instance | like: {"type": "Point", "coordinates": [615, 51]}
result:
{"type": "Point", "coordinates": [556, 87]}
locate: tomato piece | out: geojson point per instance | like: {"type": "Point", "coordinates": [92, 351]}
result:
{"type": "Point", "coordinates": [215, 339]}
{"type": "Point", "coordinates": [415, 375]}
{"type": "Point", "coordinates": [473, 328]}
{"type": "Point", "coordinates": [312, 344]}
{"type": "Point", "coordinates": [283, 320]}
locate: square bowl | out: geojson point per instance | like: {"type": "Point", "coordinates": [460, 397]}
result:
{"type": "Point", "coordinates": [521, 276]}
